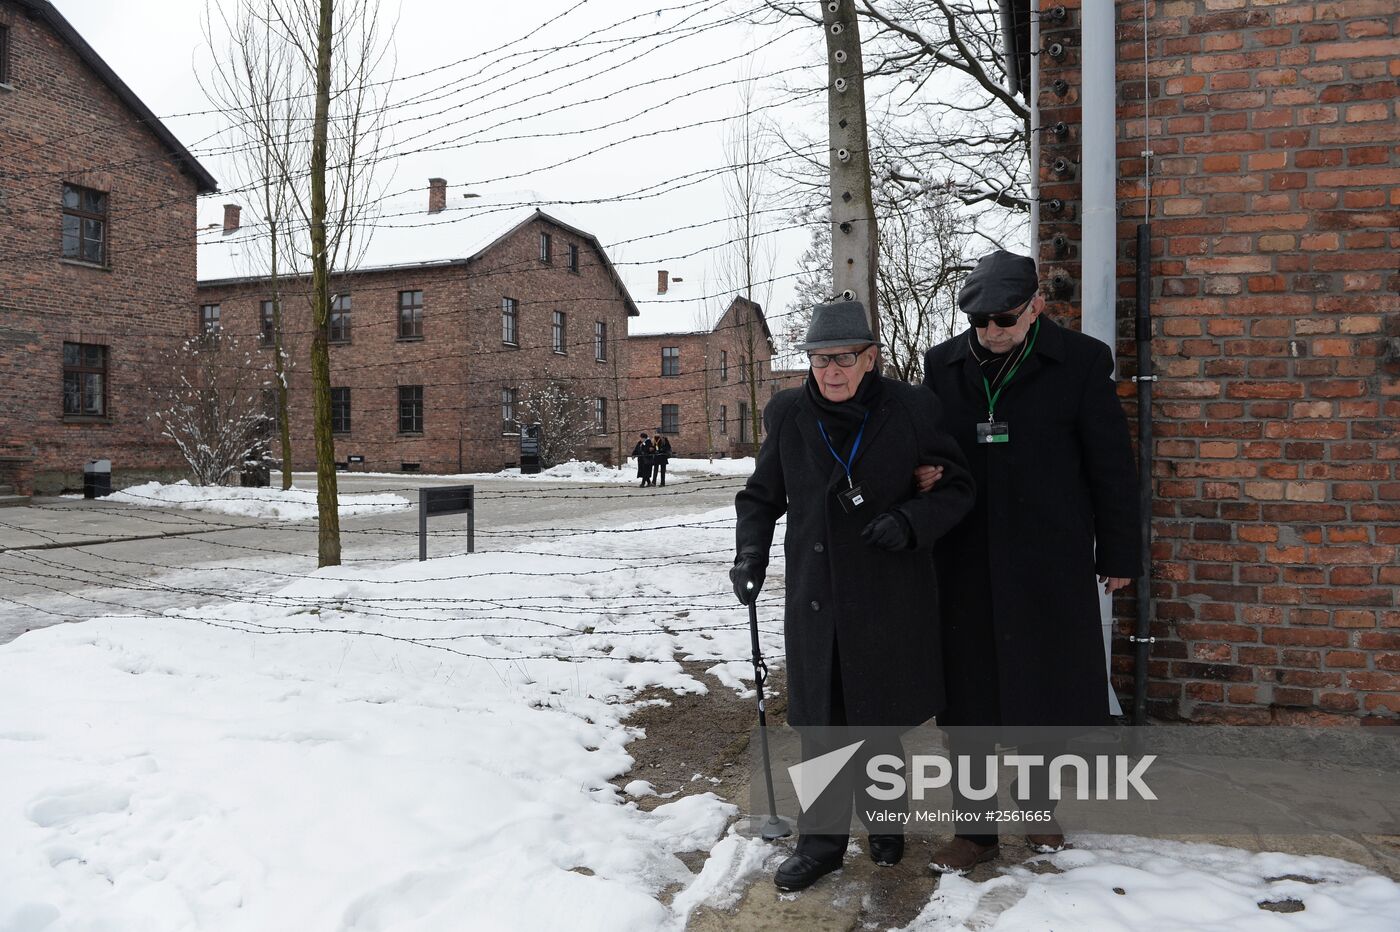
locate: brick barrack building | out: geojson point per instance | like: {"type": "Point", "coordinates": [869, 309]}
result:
{"type": "Point", "coordinates": [432, 360]}
{"type": "Point", "coordinates": [1272, 140]}
{"type": "Point", "coordinates": [97, 265]}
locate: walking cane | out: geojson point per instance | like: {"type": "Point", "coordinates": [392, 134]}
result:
{"type": "Point", "coordinates": [774, 827]}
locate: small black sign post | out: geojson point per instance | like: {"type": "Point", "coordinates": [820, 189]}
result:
{"type": "Point", "coordinates": [446, 500]}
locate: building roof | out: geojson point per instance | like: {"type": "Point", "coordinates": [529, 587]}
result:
{"type": "Point", "coordinates": [402, 235]}
{"type": "Point", "coordinates": [45, 11]}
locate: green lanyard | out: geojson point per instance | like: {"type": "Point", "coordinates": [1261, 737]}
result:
{"type": "Point", "coordinates": [992, 397]}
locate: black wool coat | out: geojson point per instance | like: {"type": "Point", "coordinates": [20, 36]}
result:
{"type": "Point", "coordinates": [875, 610]}
{"type": "Point", "coordinates": [1023, 640]}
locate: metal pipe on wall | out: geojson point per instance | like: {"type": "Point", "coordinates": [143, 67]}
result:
{"type": "Point", "coordinates": [1033, 104]}
{"type": "Point", "coordinates": [1142, 636]}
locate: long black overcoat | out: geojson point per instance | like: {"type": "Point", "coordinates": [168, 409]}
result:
{"type": "Point", "coordinates": [874, 609]}
{"type": "Point", "coordinates": [1021, 628]}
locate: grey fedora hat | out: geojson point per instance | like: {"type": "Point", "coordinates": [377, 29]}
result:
{"type": "Point", "coordinates": [840, 323]}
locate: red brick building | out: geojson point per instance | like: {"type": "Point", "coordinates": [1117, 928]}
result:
{"type": "Point", "coordinates": [97, 204]}
{"type": "Point", "coordinates": [432, 361]}
{"type": "Point", "coordinates": [701, 389]}
{"type": "Point", "coordinates": [1273, 144]}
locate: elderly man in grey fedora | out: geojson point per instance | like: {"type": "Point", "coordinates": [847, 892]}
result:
{"type": "Point", "coordinates": [861, 626]}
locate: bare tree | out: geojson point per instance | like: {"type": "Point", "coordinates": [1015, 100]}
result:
{"type": "Point", "coordinates": [252, 84]}
{"type": "Point", "coordinates": [212, 409]}
{"type": "Point", "coordinates": [317, 125]}
{"type": "Point", "coordinates": [746, 265]}
{"type": "Point", "coordinates": [941, 114]}
{"type": "Point", "coordinates": [565, 419]}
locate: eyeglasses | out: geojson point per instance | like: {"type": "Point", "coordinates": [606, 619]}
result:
{"type": "Point", "coordinates": [844, 360]}
{"type": "Point", "coordinates": [1004, 321]}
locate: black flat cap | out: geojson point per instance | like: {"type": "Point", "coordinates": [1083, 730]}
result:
{"type": "Point", "coordinates": [841, 323]}
{"type": "Point", "coordinates": [1002, 281]}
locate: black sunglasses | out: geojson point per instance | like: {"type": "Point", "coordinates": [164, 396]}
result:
{"type": "Point", "coordinates": [1004, 320]}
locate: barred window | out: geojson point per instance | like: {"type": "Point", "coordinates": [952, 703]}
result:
{"type": "Point", "coordinates": [600, 340]}
{"type": "Point", "coordinates": [510, 321]}
{"type": "Point", "coordinates": [573, 257]}
{"type": "Point", "coordinates": [410, 315]}
{"type": "Point", "coordinates": [340, 410]}
{"type": "Point", "coordinates": [670, 360]}
{"type": "Point", "coordinates": [670, 419]}
{"type": "Point", "coordinates": [410, 409]}
{"type": "Point", "coordinates": [724, 365]}
{"type": "Point", "coordinates": [508, 423]}
{"type": "Point", "coordinates": [84, 224]}
{"type": "Point", "coordinates": [338, 324]}
{"type": "Point", "coordinates": [546, 248]}
{"type": "Point", "coordinates": [84, 380]}
{"type": "Point", "coordinates": [560, 332]}
{"type": "Point", "coordinates": [600, 415]}
{"type": "Point", "coordinates": [266, 324]}
{"type": "Point", "coordinates": [723, 419]}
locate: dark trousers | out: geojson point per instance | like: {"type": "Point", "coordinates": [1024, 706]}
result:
{"type": "Point", "coordinates": [659, 470]}
{"type": "Point", "coordinates": [833, 807]}
{"type": "Point", "coordinates": [978, 825]}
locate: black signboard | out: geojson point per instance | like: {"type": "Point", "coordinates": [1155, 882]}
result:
{"type": "Point", "coordinates": [446, 500]}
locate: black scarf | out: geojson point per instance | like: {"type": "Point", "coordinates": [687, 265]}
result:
{"type": "Point", "coordinates": [843, 418]}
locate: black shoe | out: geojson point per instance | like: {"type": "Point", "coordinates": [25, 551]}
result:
{"type": "Point", "coordinates": [800, 871]}
{"type": "Point", "coordinates": [886, 850]}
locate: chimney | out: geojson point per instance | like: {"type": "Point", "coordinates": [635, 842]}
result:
{"type": "Point", "coordinates": [662, 281]}
{"type": "Point", "coordinates": [231, 212]}
{"type": "Point", "coordinates": [437, 195]}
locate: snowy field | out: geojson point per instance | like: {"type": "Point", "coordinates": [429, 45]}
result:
{"type": "Point", "coordinates": [583, 471]}
{"type": "Point", "coordinates": [433, 747]}
{"type": "Point", "coordinates": [272, 504]}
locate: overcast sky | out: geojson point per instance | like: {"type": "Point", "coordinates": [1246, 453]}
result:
{"type": "Point", "coordinates": [158, 48]}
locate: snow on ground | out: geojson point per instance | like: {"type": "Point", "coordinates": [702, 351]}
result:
{"type": "Point", "coordinates": [679, 470]}
{"type": "Point", "coordinates": [1123, 883]}
{"type": "Point", "coordinates": [422, 746]}
{"type": "Point", "coordinates": [264, 504]}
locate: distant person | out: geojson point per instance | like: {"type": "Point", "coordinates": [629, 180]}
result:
{"type": "Point", "coordinates": [643, 451]}
{"type": "Point", "coordinates": [1033, 407]}
{"type": "Point", "coordinates": [861, 614]}
{"type": "Point", "coordinates": [660, 458]}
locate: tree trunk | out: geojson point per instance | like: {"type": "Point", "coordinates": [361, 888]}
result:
{"type": "Point", "coordinates": [279, 360]}
{"type": "Point", "coordinates": [327, 499]}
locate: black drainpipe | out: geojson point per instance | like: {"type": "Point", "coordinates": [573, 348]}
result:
{"type": "Point", "coordinates": [1142, 639]}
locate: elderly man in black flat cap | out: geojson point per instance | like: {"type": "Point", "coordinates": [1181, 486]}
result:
{"type": "Point", "coordinates": [862, 645]}
{"type": "Point", "coordinates": [1033, 407]}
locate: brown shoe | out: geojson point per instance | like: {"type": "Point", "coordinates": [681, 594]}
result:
{"type": "Point", "coordinates": [1048, 841]}
{"type": "Point", "coordinates": [961, 855]}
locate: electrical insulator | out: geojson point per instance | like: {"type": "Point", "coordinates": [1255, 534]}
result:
{"type": "Point", "coordinates": [837, 29]}
{"type": "Point", "coordinates": [843, 154]}
{"type": "Point", "coordinates": [833, 7]}
{"type": "Point", "coordinates": [1061, 285]}
{"type": "Point", "coordinates": [1060, 242]}
{"type": "Point", "coordinates": [1060, 87]}
{"type": "Point", "coordinates": [840, 85]}
{"type": "Point", "coordinates": [1055, 50]}
{"type": "Point", "coordinates": [1061, 166]}
{"type": "Point", "coordinates": [1054, 205]}
{"type": "Point", "coordinates": [1056, 14]}
{"type": "Point", "coordinates": [840, 56]}
{"type": "Point", "coordinates": [1060, 128]}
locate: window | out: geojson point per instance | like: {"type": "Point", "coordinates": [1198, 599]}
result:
{"type": "Point", "coordinates": [670, 360]}
{"type": "Point", "coordinates": [724, 365]}
{"type": "Point", "coordinates": [338, 325]}
{"type": "Point", "coordinates": [266, 329]}
{"type": "Point", "coordinates": [600, 415]}
{"type": "Point", "coordinates": [573, 257]}
{"type": "Point", "coordinates": [510, 321]}
{"type": "Point", "coordinates": [340, 410]}
{"type": "Point", "coordinates": [743, 422]}
{"type": "Point", "coordinates": [724, 419]}
{"type": "Point", "coordinates": [84, 225]}
{"type": "Point", "coordinates": [670, 419]}
{"type": "Point", "coordinates": [410, 409]}
{"type": "Point", "coordinates": [4, 54]}
{"type": "Point", "coordinates": [209, 322]}
{"type": "Point", "coordinates": [508, 425]}
{"type": "Point", "coordinates": [561, 321]}
{"type": "Point", "coordinates": [546, 248]}
{"type": "Point", "coordinates": [84, 380]}
{"type": "Point", "coordinates": [410, 315]}
{"type": "Point", "coordinates": [600, 340]}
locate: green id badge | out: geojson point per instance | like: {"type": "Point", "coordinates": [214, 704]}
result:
{"type": "Point", "coordinates": [994, 432]}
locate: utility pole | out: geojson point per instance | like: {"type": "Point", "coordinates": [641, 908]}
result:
{"type": "Point", "coordinates": [854, 238]}
{"type": "Point", "coordinates": [327, 500]}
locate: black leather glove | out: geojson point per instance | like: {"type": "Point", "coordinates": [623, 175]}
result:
{"type": "Point", "coordinates": [889, 531]}
{"type": "Point", "coordinates": [747, 569]}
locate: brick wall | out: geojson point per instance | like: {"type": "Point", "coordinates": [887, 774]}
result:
{"type": "Point", "coordinates": [1275, 217]}
{"type": "Point", "coordinates": [61, 124]}
{"type": "Point", "coordinates": [461, 360]}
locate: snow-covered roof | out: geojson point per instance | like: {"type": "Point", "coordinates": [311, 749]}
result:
{"type": "Point", "coordinates": [401, 233]}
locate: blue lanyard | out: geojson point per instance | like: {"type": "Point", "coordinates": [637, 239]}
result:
{"type": "Point", "coordinates": [855, 447]}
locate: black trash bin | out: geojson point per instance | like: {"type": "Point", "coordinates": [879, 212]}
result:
{"type": "Point", "coordinates": [530, 450]}
{"type": "Point", "coordinates": [97, 479]}
{"type": "Point", "coordinates": [256, 474]}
